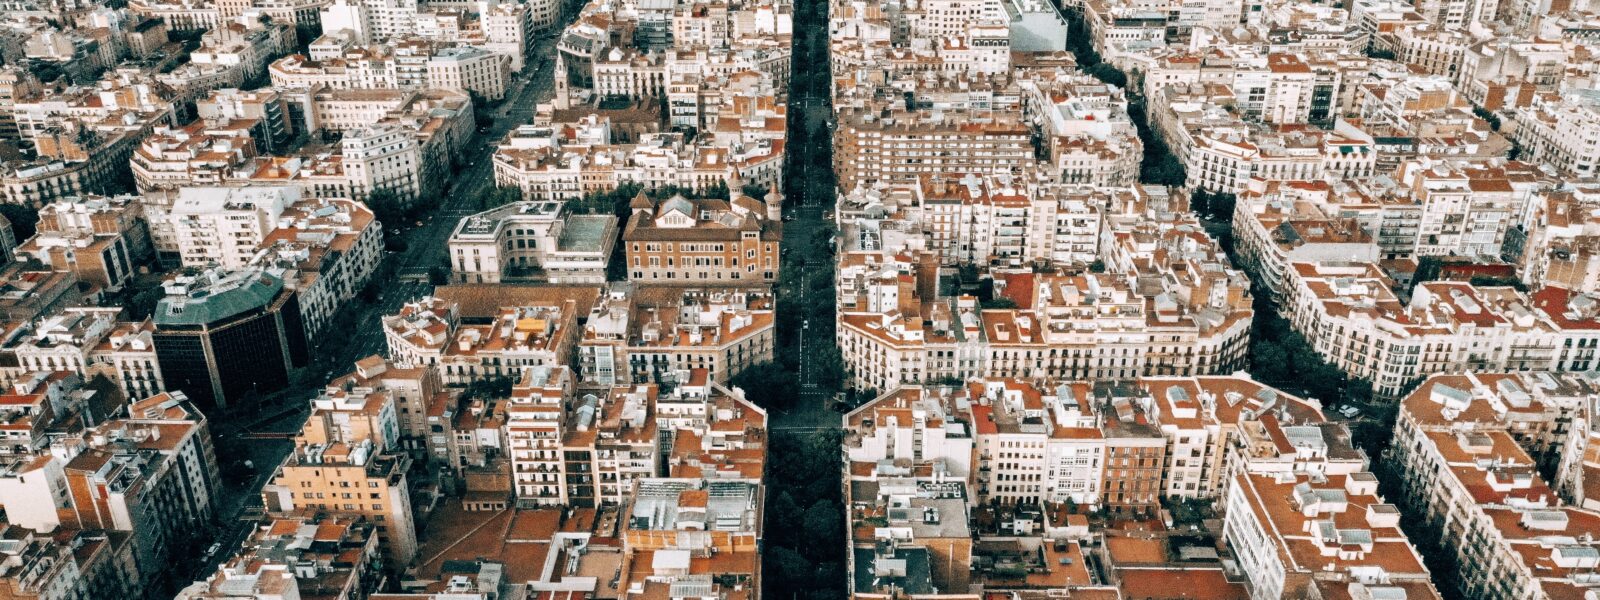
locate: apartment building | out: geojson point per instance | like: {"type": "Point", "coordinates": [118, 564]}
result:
{"type": "Point", "coordinates": [1298, 535]}
{"type": "Point", "coordinates": [1560, 130]}
{"type": "Point", "coordinates": [1436, 51]}
{"type": "Point", "coordinates": [242, 47]}
{"type": "Point", "coordinates": [403, 141]}
{"type": "Point", "coordinates": [719, 332]}
{"type": "Point", "coordinates": [100, 240]}
{"type": "Point", "coordinates": [123, 497]}
{"type": "Point", "coordinates": [31, 292]}
{"type": "Point", "coordinates": [1510, 72]}
{"type": "Point", "coordinates": [1135, 452]}
{"type": "Point", "coordinates": [901, 146]}
{"type": "Point", "coordinates": [67, 563]}
{"type": "Point", "coordinates": [596, 59]}
{"type": "Point", "coordinates": [82, 138]}
{"type": "Point", "coordinates": [727, 512]}
{"type": "Point", "coordinates": [220, 226]}
{"type": "Point", "coordinates": [327, 250]}
{"type": "Point", "coordinates": [414, 389]}
{"type": "Point", "coordinates": [1124, 449]}
{"type": "Point", "coordinates": [928, 530]}
{"type": "Point", "coordinates": [1464, 453]}
{"type": "Point", "coordinates": [1121, 446]}
{"type": "Point", "coordinates": [347, 461]}
{"type": "Point", "coordinates": [1351, 317]}
{"type": "Point", "coordinates": [382, 157]}
{"type": "Point", "coordinates": [328, 554]}
{"type": "Point", "coordinates": [200, 153]}
{"type": "Point", "coordinates": [89, 342]}
{"type": "Point", "coordinates": [535, 428]}
{"type": "Point", "coordinates": [1036, 445]}
{"type": "Point", "coordinates": [961, 340]}
{"type": "Point", "coordinates": [1222, 152]}
{"type": "Point", "coordinates": [924, 426]}
{"type": "Point", "coordinates": [467, 69]}
{"type": "Point", "coordinates": [587, 158]}
{"type": "Point", "coordinates": [417, 335]}
{"type": "Point", "coordinates": [408, 65]}
{"type": "Point", "coordinates": [155, 479]}
{"type": "Point", "coordinates": [1277, 226]}
{"type": "Point", "coordinates": [591, 450]}
{"type": "Point", "coordinates": [428, 332]}
{"type": "Point", "coordinates": [180, 432]}
{"type": "Point", "coordinates": [1276, 88]}
{"type": "Point", "coordinates": [613, 442]}
{"type": "Point", "coordinates": [894, 328]}
{"type": "Point", "coordinates": [265, 110]}
{"type": "Point", "coordinates": [518, 337]}
{"type": "Point", "coordinates": [1559, 249]}
{"type": "Point", "coordinates": [655, 334]}
{"type": "Point", "coordinates": [1091, 140]}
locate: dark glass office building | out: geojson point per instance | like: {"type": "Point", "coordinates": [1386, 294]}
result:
{"type": "Point", "coordinates": [223, 338]}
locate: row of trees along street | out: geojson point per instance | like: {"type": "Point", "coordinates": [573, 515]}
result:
{"type": "Point", "coordinates": [804, 545]}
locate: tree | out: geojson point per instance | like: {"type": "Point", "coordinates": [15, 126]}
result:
{"type": "Point", "coordinates": [488, 387]}
{"type": "Point", "coordinates": [768, 385]}
{"type": "Point", "coordinates": [24, 220]}
{"type": "Point", "coordinates": [1378, 53]}
{"type": "Point", "coordinates": [830, 374]}
{"type": "Point", "coordinates": [1491, 118]}
{"type": "Point", "coordinates": [1428, 269]}
{"type": "Point", "coordinates": [786, 569]}
{"type": "Point", "coordinates": [717, 190]}
{"type": "Point", "coordinates": [387, 206]}
{"type": "Point", "coordinates": [1107, 74]}
{"type": "Point", "coordinates": [1268, 361]}
{"type": "Point", "coordinates": [480, 110]}
{"type": "Point", "coordinates": [1491, 281]}
{"type": "Point", "coordinates": [617, 264]}
{"type": "Point", "coordinates": [824, 527]}
{"type": "Point", "coordinates": [828, 571]}
{"type": "Point", "coordinates": [783, 509]}
{"type": "Point", "coordinates": [438, 275]}
{"type": "Point", "coordinates": [495, 197]}
{"type": "Point", "coordinates": [143, 304]}
{"type": "Point", "coordinates": [1222, 207]}
{"type": "Point", "coordinates": [380, 278]}
{"type": "Point", "coordinates": [1166, 170]}
{"type": "Point", "coordinates": [1001, 302]}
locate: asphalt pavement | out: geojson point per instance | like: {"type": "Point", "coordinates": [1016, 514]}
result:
{"type": "Point", "coordinates": [809, 137]}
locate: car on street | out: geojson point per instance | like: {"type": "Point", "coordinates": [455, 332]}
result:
{"type": "Point", "coordinates": [1349, 412]}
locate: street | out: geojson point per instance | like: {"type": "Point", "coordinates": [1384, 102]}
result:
{"type": "Point", "coordinates": [809, 260]}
